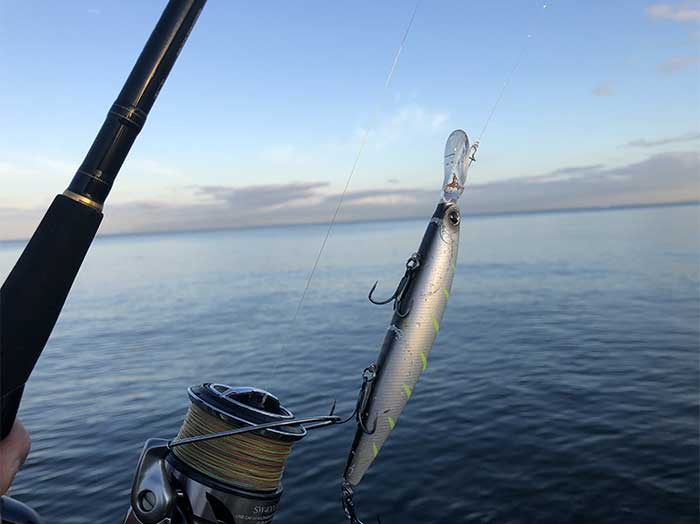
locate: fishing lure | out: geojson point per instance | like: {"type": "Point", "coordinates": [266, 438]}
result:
{"type": "Point", "coordinates": [419, 303]}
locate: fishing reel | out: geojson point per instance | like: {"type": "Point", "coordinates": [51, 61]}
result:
{"type": "Point", "coordinates": [226, 464]}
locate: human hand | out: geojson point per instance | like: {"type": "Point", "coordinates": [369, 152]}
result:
{"type": "Point", "coordinates": [13, 452]}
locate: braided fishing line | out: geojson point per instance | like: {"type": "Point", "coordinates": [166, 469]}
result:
{"type": "Point", "coordinates": [250, 461]}
{"type": "Point", "coordinates": [353, 168]}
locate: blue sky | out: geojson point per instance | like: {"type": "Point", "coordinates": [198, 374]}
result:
{"type": "Point", "coordinates": [278, 93]}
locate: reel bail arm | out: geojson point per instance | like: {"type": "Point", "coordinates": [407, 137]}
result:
{"type": "Point", "coordinates": [316, 422]}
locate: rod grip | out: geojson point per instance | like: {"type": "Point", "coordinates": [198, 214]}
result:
{"type": "Point", "coordinates": [9, 405]}
{"type": "Point", "coordinates": [33, 294]}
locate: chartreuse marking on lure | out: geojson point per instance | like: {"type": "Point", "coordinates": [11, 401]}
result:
{"type": "Point", "coordinates": [419, 303]}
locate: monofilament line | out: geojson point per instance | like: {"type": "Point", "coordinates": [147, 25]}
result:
{"type": "Point", "coordinates": [363, 143]}
{"type": "Point", "coordinates": [514, 69]}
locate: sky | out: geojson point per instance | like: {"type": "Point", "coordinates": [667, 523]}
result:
{"type": "Point", "coordinates": [263, 114]}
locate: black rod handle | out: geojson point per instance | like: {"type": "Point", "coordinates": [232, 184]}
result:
{"type": "Point", "coordinates": [33, 295]}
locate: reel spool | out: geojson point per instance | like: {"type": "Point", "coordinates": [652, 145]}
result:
{"type": "Point", "coordinates": [226, 464]}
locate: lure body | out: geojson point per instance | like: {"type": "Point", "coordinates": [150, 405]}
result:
{"type": "Point", "coordinates": [420, 302]}
{"type": "Point", "coordinates": [409, 339]}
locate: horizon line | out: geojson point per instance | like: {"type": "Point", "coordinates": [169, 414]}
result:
{"type": "Point", "coordinates": [561, 210]}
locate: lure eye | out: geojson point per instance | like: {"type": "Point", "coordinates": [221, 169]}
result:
{"type": "Point", "coordinates": [454, 218]}
{"type": "Point", "coordinates": [456, 164]}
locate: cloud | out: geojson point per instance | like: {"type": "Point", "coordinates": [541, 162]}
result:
{"type": "Point", "coordinates": [680, 12]}
{"type": "Point", "coordinates": [264, 196]}
{"type": "Point", "coordinates": [664, 177]}
{"type": "Point", "coordinates": [676, 64]}
{"type": "Point", "coordinates": [566, 173]}
{"type": "Point", "coordinates": [685, 137]}
{"type": "Point", "coordinates": [407, 121]}
{"type": "Point", "coordinates": [602, 90]}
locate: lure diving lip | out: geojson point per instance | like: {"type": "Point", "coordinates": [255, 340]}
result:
{"type": "Point", "coordinates": [419, 304]}
{"type": "Point", "coordinates": [458, 157]}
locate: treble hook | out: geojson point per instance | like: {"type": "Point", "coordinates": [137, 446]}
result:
{"type": "Point", "coordinates": [368, 376]}
{"type": "Point", "coordinates": [412, 265]}
{"type": "Point", "coordinates": [349, 504]}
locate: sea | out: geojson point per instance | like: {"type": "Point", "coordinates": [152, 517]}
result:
{"type": "Point", "coordinates": [563, 386]}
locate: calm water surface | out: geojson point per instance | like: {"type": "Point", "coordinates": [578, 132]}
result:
{"type": "Point", "coordinates": [563, 386]}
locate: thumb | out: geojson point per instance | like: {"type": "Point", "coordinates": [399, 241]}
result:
{"type": "Point", "coordinates": [13, 452]}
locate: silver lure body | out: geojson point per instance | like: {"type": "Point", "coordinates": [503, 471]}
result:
{"type": "Point", "coordinates": [409, 339]}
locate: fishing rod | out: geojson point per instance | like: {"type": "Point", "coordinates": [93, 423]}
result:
{"type": "Point", "coordinates": [33, 295]}
{"type": "Point", "coordinates": [419, 303]}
